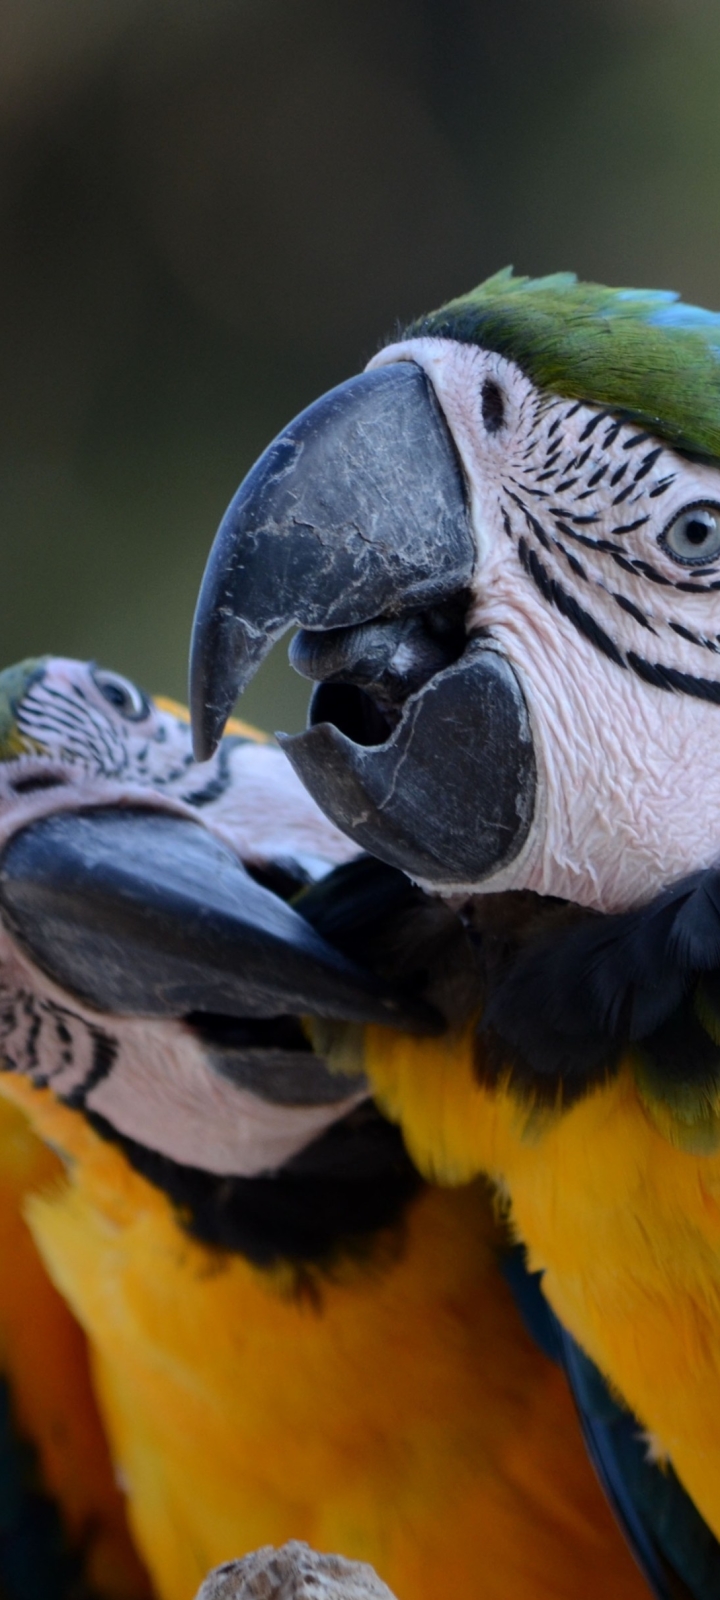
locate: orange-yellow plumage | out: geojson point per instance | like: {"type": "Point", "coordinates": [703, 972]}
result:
{"type": "Point", "coordinates": [44, 1359]}
{"type": "Point", "coordinates": [624, 1223]}
{"type": "Point", "coordinates": [398, 1413]}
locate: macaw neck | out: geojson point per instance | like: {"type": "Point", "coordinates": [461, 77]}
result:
{"type": "Point", "coordinates": [586, 1190]}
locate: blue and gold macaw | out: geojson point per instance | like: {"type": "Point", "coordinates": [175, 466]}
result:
{"type": "Point", "coordinates": [501, 544]}
{"type": "Point", "coordinates": [226, 1289]}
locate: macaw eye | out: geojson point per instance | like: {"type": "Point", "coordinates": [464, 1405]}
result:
{"type": "Point", "coordinates": [694, 536]}
{"type": "Point", "coordinates": [123, 695]}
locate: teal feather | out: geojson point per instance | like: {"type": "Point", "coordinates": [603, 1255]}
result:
{"type": "Point", "coordinates": [640, 352]}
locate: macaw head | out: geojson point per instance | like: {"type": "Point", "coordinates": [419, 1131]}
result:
{"type": "Point", "coordinates": [152, 972]}
{"type": "Point", "coordinates": [501, 544]}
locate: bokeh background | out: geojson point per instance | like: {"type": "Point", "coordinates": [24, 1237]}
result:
{"type": "Point", "coordinates": [211, 210]}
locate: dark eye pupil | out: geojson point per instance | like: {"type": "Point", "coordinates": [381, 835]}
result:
{"type": "Point", "coordinates": [696, 532]}
{"type": "Point", "coordinates": [116, 696]}
{"type": "Point", "coordinates": [121, 694]}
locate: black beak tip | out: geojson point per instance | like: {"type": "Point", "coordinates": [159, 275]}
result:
{"type": "Point", "coordinates": [212, 680]}
{"type": "Point", "coordinates": [207, 731]}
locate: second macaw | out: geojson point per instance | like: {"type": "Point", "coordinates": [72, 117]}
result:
{"type": "Point", "coordinates": [223, 1278]}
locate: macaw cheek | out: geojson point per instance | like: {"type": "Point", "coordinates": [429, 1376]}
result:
{"type": "Point", "coordinates": [450, 796]}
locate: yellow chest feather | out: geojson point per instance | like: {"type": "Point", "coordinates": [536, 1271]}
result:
{"type": "Point", "coordinates": [625, 1225]}
{"type": "Point", "coordinates": [399, 1414]}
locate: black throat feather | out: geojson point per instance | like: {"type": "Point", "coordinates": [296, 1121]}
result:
{"type": "Point", "coordinates": [567, 1002]}
{"type": "Point", "coordinates": [564, 994]}
{"type": "Point", "coordinates": [331, 1200]}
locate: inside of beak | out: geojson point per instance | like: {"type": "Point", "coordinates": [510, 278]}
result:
{"type": "Point", "coordinates": [365, 675]}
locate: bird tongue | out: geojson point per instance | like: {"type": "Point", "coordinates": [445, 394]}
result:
{"type": "Point", "coordinates": [366, 674]}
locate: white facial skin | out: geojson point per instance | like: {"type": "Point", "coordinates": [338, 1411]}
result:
{"type": "Point", "coordinates": [628, 772]}
{"type": "Point", "coordinates": [151, 1078]}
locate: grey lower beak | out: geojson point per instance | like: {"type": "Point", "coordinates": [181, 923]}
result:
{"type": "Point", "coordinates": [464, 748]}
{"type": "Point", "coordinates": [139, 912]}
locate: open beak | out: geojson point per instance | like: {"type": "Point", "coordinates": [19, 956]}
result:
{"type": "Point", "coordinates": [141, 912]}
{"type": "Point", "coordinates": [354, 524]}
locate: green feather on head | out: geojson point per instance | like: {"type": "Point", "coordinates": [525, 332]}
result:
{"type": "Point", "coordinates": [641, 352]}
{"type": "Point", "coordinates": [14, 684]}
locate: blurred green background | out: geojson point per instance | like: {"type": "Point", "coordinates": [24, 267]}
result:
{"type": "Point", "coordinates": [213, 210]}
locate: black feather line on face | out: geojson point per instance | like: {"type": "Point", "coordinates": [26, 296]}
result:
{"type": "Point", "coordinates": [668, 678]}
{"type": "Point", "coordinates": [580, 474]}
{"type": "Point", "coordinates": [104, 1056]}
{"type": "Point", "coordinates": [566, 604]}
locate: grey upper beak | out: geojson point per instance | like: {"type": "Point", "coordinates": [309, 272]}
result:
{"type": "Point", "coordinates": [355, 524]}
{"type": "Point", "coordinates": [140, 912]}
{"type": "Point", "coordinates": [358, 504]}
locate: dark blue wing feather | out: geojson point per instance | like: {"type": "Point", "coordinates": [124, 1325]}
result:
{"type": "Point", "coordinates": [36, 1562]}
{"type": "Point", "coordinates": [676, 1551]}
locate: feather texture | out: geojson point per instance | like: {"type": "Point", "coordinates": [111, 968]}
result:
{"type": "Point", "coordinates": [63, 1533]}
{"type": "Point", "coordinates": [641, 352]}
{"type": "Point", "coordinates": [396, 1410]}
{"type": "Point", "coordinates": [570, 1003]}
{"type": "Point", "coordinates": [675, 1549]}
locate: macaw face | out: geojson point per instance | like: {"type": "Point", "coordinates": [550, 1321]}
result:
{"type": "Point", "coordinates": [71, 730]}
{"type": "Point", "coordinates": [76, 735]}
{"type": "Point", "coordinates": [510, 602]}
{"type": "Point", "coordinates": [146, 976]}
